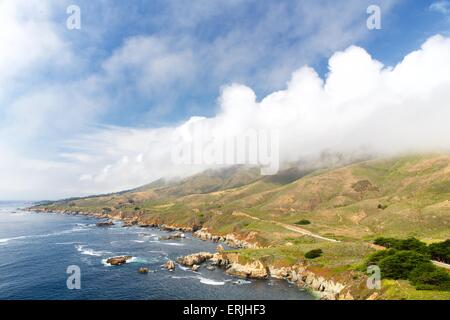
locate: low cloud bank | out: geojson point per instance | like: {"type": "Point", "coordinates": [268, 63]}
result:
{"type": "Point", "coordinates": [361, 106]}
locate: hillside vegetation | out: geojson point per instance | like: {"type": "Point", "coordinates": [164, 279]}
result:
{"type": "Point", "coordinates": [301, 210]}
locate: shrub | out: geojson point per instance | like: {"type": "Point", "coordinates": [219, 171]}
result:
{"type": "Point", "coordinates": [303, 222]}
{"type": "Point", "coordinates": [376, 257]}
{"type": "Point", "coordinates": [426, 276]}
{"type": "Point", "coordinates": [387, 242]}
{"type": "Point", "coordinates": [315, 253]}
{"type": "Point", "coordinates": [400, 264]}
{"type": "Point", "coordinates": [440, 251]}
{"type": "Point", "coordinates": [412, 244]}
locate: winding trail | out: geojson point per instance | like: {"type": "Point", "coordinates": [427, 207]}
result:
{"type": "Point", "coordinates": [441, 264]}
{"type": "Point", "coordinates": [314, 235]}
{"type": "Point", "coordinates": [286, 226]}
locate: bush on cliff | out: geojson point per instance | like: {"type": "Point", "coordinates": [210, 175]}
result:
{"type": "Point", "coordinates": [412, 244]}
{"type": "Point", "coordinates": [426, 276]}
{"type": "Point", "coordinates": [303, 222]}
{"type": "Point", "coordinates": [315, 253]}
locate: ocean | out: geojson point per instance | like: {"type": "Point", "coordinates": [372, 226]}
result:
{"type": "Point", "coordinates": [36, 250]}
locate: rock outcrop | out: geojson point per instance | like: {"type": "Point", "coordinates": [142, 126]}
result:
{"type": "Point", "coordinates": [104, 224]}
{"type": "Point", "coordinates": [194, 259]}
{"type": "Point", "coordinates": [169, 265]}
{"type": "Point", "coordinates": [299, 274]}
{"type": "Point", "coordinates": [143, 270]}
{"type": "Point", "coordinates": [254, 270]}
{"type": "Point", "coordinates": [195, 267]}
{"type": "Point", "coordinates": [230, 239]}
{"type": "Point", "coordinates": [117, 261]}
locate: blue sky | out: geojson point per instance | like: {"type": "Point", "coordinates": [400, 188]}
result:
{"type": "Point", "coordinates": [154, 64]}
{"type": "Point", "coordinates": [106, 26]}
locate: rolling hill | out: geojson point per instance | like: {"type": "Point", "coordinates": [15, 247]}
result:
{"type": "Point", "coordinates": [339, 209]}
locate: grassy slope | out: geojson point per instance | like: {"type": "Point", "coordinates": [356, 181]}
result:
{"type": "Point", "coordinates": [341, 203]}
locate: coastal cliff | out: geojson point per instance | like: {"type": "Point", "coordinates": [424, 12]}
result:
{"type": "Point", "coordinates": [325, 288]}
{"type": "Point", "coordinates": [322, 287]}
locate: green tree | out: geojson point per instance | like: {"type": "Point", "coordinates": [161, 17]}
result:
{"type": "Point", "coordinates": [376, 257]}
{"type": "Point", "coordinates": [426, 276]}
{"type": "Point", "coordinates": [440, 251]}
{"type": "Point", "coordinates": [400, 264]}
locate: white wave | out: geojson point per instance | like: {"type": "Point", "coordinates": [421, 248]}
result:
{"type": "Point", "coordinates": [210, 282]}
{"type": "Point", "coordinates": [203, 280]}
{"type": "Point", "coordinates": [172, 244]}
{"type": "Point", "coordinates": [183, 267]}
{"type": "Point", "coordinates": [137, 260]}
{"type": "Point", "coordinates": [90, 252]}
{"type": "Point", "coordinates": [138, 241]}
{"type": "Point", "coordinates": [106, 264]}
{"type": "Point", "coordinates": [45, 235]}
{"type": "Point", "coordinates": [6, 240]}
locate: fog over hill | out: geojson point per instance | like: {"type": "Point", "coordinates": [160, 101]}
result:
{"type": "Point", "coordinates": [361, 107]}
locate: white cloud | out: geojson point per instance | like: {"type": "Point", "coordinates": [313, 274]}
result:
{"type": "Point", "coordinates": [27, 40]}
{"type": "Point", "coordinates": [442, 6]}
{"type": "Point", "coordinates": [361, 104]}
{"type": "Point", "coordinates": [50, 149]}
{"type": "Point", "coordinates": [154, 63]}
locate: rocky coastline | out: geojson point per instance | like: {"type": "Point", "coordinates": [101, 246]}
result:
{"type": "Point", "coordinates": [320, 286]}
{"type": "Point", "coordinates": [299, 274]}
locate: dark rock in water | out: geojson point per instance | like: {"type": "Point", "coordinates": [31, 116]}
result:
{"type": "Point", "coordinates": [143, 270]}
{"type": "Point", "coordinates": [104, 224]}
{"type": "Point", "coordinates": [117, 261]}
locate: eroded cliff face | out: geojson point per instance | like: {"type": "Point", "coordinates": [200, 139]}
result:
{"type": "Point", "coordinates": [230, 239]}
{"type": "Point", "coordinates": [322, 287]}
{"type": "Point", "coordinates": [298, 274]}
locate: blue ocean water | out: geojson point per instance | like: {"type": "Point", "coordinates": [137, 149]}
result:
{"type": "Point", "coordinates": [37, 248]}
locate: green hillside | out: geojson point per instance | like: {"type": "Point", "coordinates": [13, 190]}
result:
{"type": "Point", "coordinates": [407, 196]}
